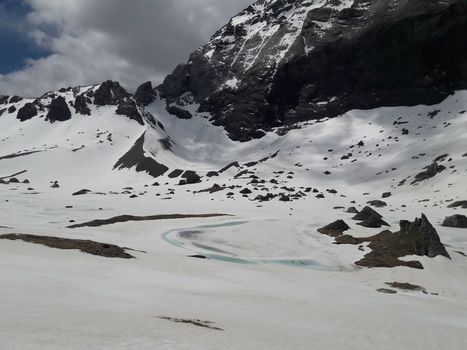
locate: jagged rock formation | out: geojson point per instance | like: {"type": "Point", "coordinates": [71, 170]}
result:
{"type": "Point", "coordinates": [414, 238]}
{"type": "Point", "coordinates": [58, 110]}
{"type": "Point", "coordinates": [279, 62]}
{"type": "Point", "coordinates": [335, 229]}
{"type": "Point", "coordinates": [27, 112]}
{"type": "Point", "coordinates": [145, 94]}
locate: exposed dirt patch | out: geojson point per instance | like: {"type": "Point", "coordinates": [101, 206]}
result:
{"type": "Point", "coordinates": [194, 322]}
{"type": "Point", "coordinates": [126, 218]}
{"type": "Point", "coordinates": [90, 247]}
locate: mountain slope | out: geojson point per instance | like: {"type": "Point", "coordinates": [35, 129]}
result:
{"type": "Point", "coordinates": [279, 62]}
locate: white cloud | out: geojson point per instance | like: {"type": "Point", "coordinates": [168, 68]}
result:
{"type": "Point", "coordinates": [129, 41]}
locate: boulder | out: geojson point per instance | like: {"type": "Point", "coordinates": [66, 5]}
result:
{"type": "Point", "coordinates": [457, 221]}
{"type": "Point", "coordinates": [335, 229]}
{"type": "Point", "coordinates": [58, 110]}
{"type": "Point", "coordinates": [28, 111]}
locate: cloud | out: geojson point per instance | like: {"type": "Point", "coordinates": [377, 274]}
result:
{"type": "Point", "coordinates": [129, 41]}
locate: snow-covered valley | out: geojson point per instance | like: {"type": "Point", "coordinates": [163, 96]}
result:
{"type": "Point", "coordinates": [263, 274]}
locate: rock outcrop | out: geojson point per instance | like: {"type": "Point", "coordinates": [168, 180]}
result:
{"type": "Point", "coordinates": [284, 61]}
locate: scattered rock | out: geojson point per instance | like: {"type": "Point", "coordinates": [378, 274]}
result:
{"type": "Point", "coordinates": [456, 221]}
{"type": "Point", "coordinates": [81, 192]}
{"type": "Point", "coordinates": [386, 291]}
{"type": "Point", "coordinates": [405, 286]}
{"type": "Point", "coordinates": [377, 203]}
{"type": "Point", "coordinates": [386, 195]}
{"type": "Point", "coordinates": [194, 322]}
{"type": "Point", "coordinates": [430, 171]}
{"type": "Point", "coordinates": [457, 204]}
{"type": "Point", "coordinates": [370, 218]}
{"type": "Point", "coordinates": [335, 229]}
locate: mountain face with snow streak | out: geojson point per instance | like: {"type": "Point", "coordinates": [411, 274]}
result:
{"type": "Point", "coordinates": [283, 61]}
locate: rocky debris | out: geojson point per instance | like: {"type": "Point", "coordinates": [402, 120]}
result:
{"type": "Point", "coordinates": [81, 105]}
{"type": "Point", "coordinates": [194, 322]}
{"type": "Point", "coordinates": [429, 172]}
{"type": "Point", "coordinates": [370, 218]}
{"type": "Point", "coordinates": [377, 203]}
{"type": "Point", "coordinates": [145, 94]}
{"type": "Point", "coordinates": [110, 93]}
{"type": "Point", "coordinates": [335, 229]}
{"type": "Point", "coordinates": [58, 110]}
{"type": "Point", "coordinates": [405, 286]}
{"type": "Point", "coordinates": [28, 111]}
{"type": "Point", "coordinates": [179, 112]}
{"type": "Point", "coordinates": [386, 291]}
{"type": "Point", "coordinates": [81, 192]}
{"type": "Point", "coordinates": [19, 154]}
{"type": "Point", "coordinates": [405, 131]}
{"type": "Point", "coordinates": [414, 238]}
{"type": "Point", "coordinates": [12, 109]}
{"type": "Point", "coordinates": [456, 221]}
{"type": "Point", "coordinates": [386, 195]}
{"type": "Point", "coordinates": [457, 204]}
{"type": "Point", "coordinates": [55, 185]}
{"type": "Point", "coordinates": [212, 174]}
{"type": "Point", "coordinates": [86, 246]}
{"type": "Point", "coordinates": [135, 157]}
{"type": "Point", "coordinates": [127, 218]}
{"type": "Point", "coordinates": [128, 108]}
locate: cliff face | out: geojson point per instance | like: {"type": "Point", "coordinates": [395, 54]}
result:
{"type": "Point", "coordinates": [279, 62]}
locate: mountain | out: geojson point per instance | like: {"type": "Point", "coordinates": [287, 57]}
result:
{"type": "Point", "coordinates": [280, 62]}
{"type": "Point", "coordinates": [303, 172]}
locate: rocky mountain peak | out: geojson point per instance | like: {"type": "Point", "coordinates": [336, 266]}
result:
{"type": "Point", "coordinates": [284, 61]}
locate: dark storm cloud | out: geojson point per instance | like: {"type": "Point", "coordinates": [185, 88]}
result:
{"type": "Point", "coordinates": [130, 41]}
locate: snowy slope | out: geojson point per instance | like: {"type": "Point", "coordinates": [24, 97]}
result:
{"type": "Point", "coordinates": [269, 268]}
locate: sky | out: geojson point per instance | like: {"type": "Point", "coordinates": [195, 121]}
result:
{"type": "Point", "coordinates": [49, 44]}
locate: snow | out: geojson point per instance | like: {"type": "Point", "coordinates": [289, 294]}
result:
{"type": "Point", "coordinates": [273, 282]}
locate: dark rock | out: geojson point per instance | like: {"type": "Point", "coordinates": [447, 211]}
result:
{"type": "Point", "coordinates": [136, 157]}
{"type": "Point", "coordinates": [405, 131]}
{"type": "Point", "coordinates": [386, 195]}
{"type": "Point", "coordinates": [386, 291]}
{"type": "Point", "coordinates": [377, 203]}
{"type": "Point", "coordinates": [176, 173]}
{"type": "Point", "coordinates": [145, 94]}
{"type": "Point", "coordinates": [245, 191]}
{"type": "Point", "coordinates": [457, 204]}
{"type": "Point", "coordinates": [190, 177]}
{"type": "Point", "coordinates": [81, 192]}
{"type": "Point", "coordinates": [81, 105]}
{"type": "Point", "coordinates": [352, 210]}
{"type": "Point", "coordinates": [370, 218]}
{"type": "Point", "coordinates": [352, 65]}
{"type": "Point", "coordinates": [13, 180]}
{"type": "Point", "coordinates": [58, 110]}
{"type": "Point", "coordinates": [335, 229]}
{"type": "Point", "coordinates": [179, 112]}
{"type": "Point", "coordinates": [127, 107]}
{"type": "Point", "coordinates": [457, 221]}
{"type": "Point", "coordinates": [430, 171]}
{"type": "Point", "coordinates": [28, 111]}
{"type": "Point", "coordinates": [12, 109]}
{"type": "Point", "coordinates": [15, 99]}
{"type": "Point", "coordinates": [110, 93]}
{"type": "Point", "coordinates": [212, 174]}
